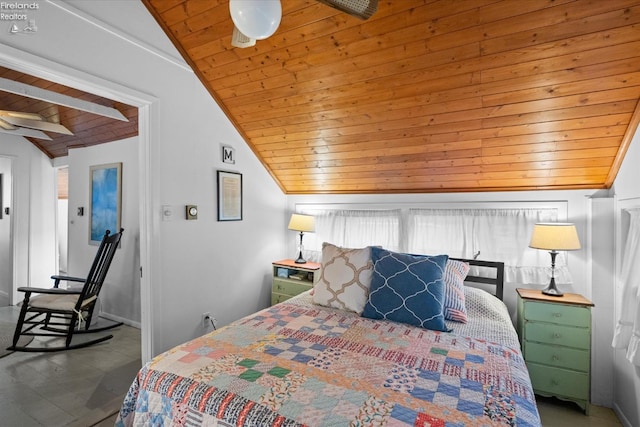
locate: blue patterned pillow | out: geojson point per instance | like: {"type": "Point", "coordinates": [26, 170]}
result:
{"type": "Point", "coordinates": [407, 288]}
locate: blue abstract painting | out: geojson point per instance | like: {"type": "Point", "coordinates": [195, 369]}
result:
{"type": "Point", "coordinates": [105, 200]}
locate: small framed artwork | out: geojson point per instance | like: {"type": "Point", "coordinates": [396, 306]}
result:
{"type": "Point", "coordinates": [229, 196]}
{"type": "Point", "coordinates": [105, 207]}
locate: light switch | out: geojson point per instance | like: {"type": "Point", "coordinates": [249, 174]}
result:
{"type": "Point", "coordinates": [167, 213]}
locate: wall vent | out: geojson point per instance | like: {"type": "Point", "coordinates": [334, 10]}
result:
{"type": "Point", "coordinates": [362, 9]}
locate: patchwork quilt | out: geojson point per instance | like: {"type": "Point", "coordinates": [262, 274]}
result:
{"type": "Point", "coordinates": [304, 365]}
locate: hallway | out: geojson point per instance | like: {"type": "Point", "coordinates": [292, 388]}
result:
{"type": "Point", "coordinates": [69, 388]}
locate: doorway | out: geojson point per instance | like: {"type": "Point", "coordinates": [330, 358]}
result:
{"type": "Point", "coordinates": [6, 252]}
{"type": "Point", "coordinates": [147, 117]}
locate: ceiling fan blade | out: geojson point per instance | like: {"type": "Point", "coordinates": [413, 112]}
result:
{"type": "Point", "coordinates": [37, 124]}
{"type": "Point", "coordinates": [362, 9]}
{"type": "Point", "coordinates": [32, 133]}
{"type": "Point", "coordinates": [21, 114]}
{"type": "Point", "coordinates": [6, 125]}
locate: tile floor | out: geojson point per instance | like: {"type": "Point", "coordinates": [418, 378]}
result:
{"type": "Point", "coordinates": [85, 387]}
{"type": "Point", "coordinates": [69, 388]}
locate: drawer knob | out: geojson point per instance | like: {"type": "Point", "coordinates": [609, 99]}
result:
{"type": "Point", "coordinates": [555, 358]}
{"type": "Point", "coordinates": [279, 287]}
{"type": "Point", "coordinates": [557, 314]}
{"type": "Point", "coordinates": [554, 382]}
{"type": "Point", "coordinates": [557, 335]}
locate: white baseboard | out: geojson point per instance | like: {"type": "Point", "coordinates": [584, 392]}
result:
{"type": "Point", "coordinates": [120, 319]}
{"type": "Point", "coordinates": [625, 422]}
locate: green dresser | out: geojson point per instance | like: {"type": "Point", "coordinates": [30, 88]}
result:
{"type": "Point", "coordinates": [291, 279]}
{"type": "Point", "coordinates": [555, 335]}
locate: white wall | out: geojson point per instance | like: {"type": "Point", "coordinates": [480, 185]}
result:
{"type": "Point", "coordinates": [63, 233]}
{"type": "Point", "coordinates": [626, 377]}
{"type": "Point", "coordinates": [601, 245]}
{"type": "Point", "coordinates": [120, 295]}
{"type": "Point", "coordinates": [196, 266]}
{"type": "Point", "coordinates": [6, 254]}
{"type": "Point", "coordinates": [33, 215]}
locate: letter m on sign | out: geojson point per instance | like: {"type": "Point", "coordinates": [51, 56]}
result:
{"type": "Point", "coordinates": [228, 154]}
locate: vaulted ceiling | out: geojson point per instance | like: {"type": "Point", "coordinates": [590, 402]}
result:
{"type": "Point", "coordinates": [426, 96]}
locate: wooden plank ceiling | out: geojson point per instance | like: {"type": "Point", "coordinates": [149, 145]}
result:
{"type": "Point", "coordinates": [426, 96]}
{"type": "Point", "coordinates": [88, 128]}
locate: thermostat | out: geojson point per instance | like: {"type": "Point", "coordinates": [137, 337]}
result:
{"type": "Point", "coordinates": [192, 212]}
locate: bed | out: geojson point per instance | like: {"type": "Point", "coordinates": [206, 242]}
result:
{"type": "Point", "coordinates": [299, 363]}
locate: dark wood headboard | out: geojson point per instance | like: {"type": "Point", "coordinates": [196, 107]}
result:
{"type": "Point", "coordinates": [497, 281]}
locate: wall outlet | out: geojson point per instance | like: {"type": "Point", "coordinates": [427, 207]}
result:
{"type": "Point", "coordinates": [206, 319]}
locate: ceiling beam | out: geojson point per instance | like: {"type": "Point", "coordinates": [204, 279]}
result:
{"type": "Point", "coordinates": [29, 91]}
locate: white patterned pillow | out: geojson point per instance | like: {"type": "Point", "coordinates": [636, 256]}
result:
{"type": "Point", "coordinates": [345, 278]}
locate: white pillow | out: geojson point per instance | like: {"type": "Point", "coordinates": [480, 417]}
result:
{"type": "Point", "coordinates": [345, 278]}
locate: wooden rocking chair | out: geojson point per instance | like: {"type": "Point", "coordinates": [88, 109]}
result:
{"type": "Point", "coordinates": [56, 312]}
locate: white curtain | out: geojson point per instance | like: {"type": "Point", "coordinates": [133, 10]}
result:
{"type": "Point", "coordinates": [353, 229]}
{"type": "Point", "coordinates": [627, 333]}
{"type": "Point", "coordinates": [490, 234]}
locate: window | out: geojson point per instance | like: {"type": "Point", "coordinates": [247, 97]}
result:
{"type": "Point", "coordinates": [353, 229]}
{"type": "Point", "coordinates": [495, 234]}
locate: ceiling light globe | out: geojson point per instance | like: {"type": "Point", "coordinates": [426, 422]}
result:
{"type": "Point", "coordinates": [257, 19]}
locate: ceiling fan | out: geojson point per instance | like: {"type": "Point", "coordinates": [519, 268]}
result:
{"type": "Point", "coordinates": [35, 125]}
{"type": "Point", "coordinates": [258, 19]}
{"type": "Point", "coordinates": [29, 124]}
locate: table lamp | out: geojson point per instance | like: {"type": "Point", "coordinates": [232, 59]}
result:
{"type": "Point", "coordinates": [554, 237]}
{"type": "Point", "coordinates": [302, 223]}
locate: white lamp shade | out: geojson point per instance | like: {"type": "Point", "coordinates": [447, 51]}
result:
{"type": "Point", "coordinates": [301, 222]}
{"type": "Point", "coordinates": [555, 236]}
{"type": "Point", "coordinates": [256, 19]}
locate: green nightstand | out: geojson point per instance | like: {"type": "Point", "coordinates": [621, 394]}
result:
{"type": "Point", "coordinates": [555, 335]}
{"type": "Point", "coordinates": [291, 279]}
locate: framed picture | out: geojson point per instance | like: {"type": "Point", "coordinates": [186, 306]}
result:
{"type": "Point", "coordinates": [106, 200]}
{"type": "Point", "coordinates": [229, 196]}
